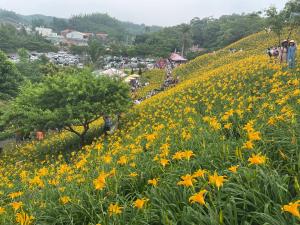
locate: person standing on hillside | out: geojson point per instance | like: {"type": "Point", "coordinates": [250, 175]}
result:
{"type": "Point", "coordinates": [292, 54]}
{"type": "Point", "coordinates": [107, 125]}
{"type": "Point", "coordinates": [283, 51]}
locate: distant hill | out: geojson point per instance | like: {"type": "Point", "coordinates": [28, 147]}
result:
{"type": "Point", "coordinates": [96, 22]}
{"type": "Point", "coordinates": [12, 17]}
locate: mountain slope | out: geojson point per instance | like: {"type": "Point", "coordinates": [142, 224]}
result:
{"type": "Point", "coordinates": [95, 22]}
{"type": "Point", "coordinates": [12, 17]}
{"type": "Point", "coordinates": [228, 137]}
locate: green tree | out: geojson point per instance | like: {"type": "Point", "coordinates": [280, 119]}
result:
{"type": "Point", "coordinates": [291, 12]}
{"type": "Point", "coordinates": [11, 39]}
{"type": "Point", "coordinates": [10, 78]}
{"type": "Point", "coordinates": [30, 70]}
{"type": "Point", "coordinates": [23, 55]}
{"type": "Point", "coordinates": [276, 21]}
{"type": "Point", "coordinates": [68, 101]}
{"type": "Point", "coordinates": [78, 50]}
{"type": "Point", "coordinates": [186, 31]}
{"type": "Point", "coordinates": [95, 50]}
{"type": "Point", "coordinates": [39, 22]}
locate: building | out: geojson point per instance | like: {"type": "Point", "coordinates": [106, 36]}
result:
{"type": "Point", "coordinates": [55, 39]}
{"type": "Point", "coordinates": [75, 35]}
{"type": "Point", "coordinates": [196, 48]}
{"type": "Point", "coordinates": [177, 59]}
{"type": "Point", "coordinates": [174, 57]}
{"type": "Point", "coordinates": [65, 32]}
{"type": "Point", "coordinates": [88, 35]}
{"type": "Point", "coordinates": [45, 32]}
{"type": "Point", "coordinates": [102, 35]}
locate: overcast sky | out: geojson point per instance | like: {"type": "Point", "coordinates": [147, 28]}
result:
{"type": "Point", "coordinates": [150, 12]}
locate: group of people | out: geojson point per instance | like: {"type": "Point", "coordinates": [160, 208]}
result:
{"type": "Point", "coordinates": [285, 54]}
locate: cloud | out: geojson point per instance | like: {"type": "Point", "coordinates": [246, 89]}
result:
{"type": "Point", "coordinates": [150, 12]}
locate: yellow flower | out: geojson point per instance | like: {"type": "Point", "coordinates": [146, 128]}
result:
{"type": "Point", "coordinates": [53, 182]}
{"type": "Point", "coordinates": [187, 180]}
{"type": "Point", "coordinates": [100, 181]}
{"type": "Point", "coordinates": [153, 182]}
{"type": "Point", "coordinates": [112, 172]}
{"type": "Point", "coordinates": [43, 172]}
{"type": "Point", "coordinates": [254, 136]}
{"type": "Point", "coordinates": [228, 125]}
{"type": "Point", "coordinates": [292, 208]}
{"type": "Point", "coordinates": [150, 137]}
{"type": "Point", "coordinates": [177, 156]}
{"type": "Point", "coordinates": [257, 159]}
{"type": "Point", "coordinates": [133, 165]}
{"type": "Point", "coordinates": [2, 210]}
{"type": "Point", "coordinates": [23, 175]}
{"type": "Point", "coordinates": [249, 126]}
{"type": "Point", "coordinates": [81, 163]}
{"type": "Point", "coordinates": [16, 205]}
{"type": "Point", "coordinates": [123, 160]}
{"type": "Point", "coordinates": [233, 169]}
{"type": "Point", "coordinates": [164, 162]}
{"type": "Point", "coordinates": [199, 173]}
{"type": "Point", "coordinates": [188, 154]}
{"type": "Point", "coordinates": [248, 145]}
{"type": "Point", "coordinates": [37, 181]}
{"type": "Point", "coordinates": [186, 135]}
{"type": "Point", "coordinates": [165, 147]}
{"type": "Point", "coordinates": [107, 159]}
{"type": "Point", "coordinates": [272, 121]}
{"type": "Point", "coordinates": [65, 199]}
{"type": "Point", "coordinates": [133, 174]}
{"type": "Point", "coordinates": [114, 209]}
{"type": "Point", "coordinates": [24, 219]}
{"type": "Point", "coordinates": [181, 155]}
{"type": "Point", "coordinates": [198, 197]}
{"type": "Point", "coordinates": [15, 194]}
{"type": "Point", "coordinates": [217, 180]}
{"type": "Point", "coordinates": [214, 123]}
{"type": "Point", "coordinates": [139, 203]}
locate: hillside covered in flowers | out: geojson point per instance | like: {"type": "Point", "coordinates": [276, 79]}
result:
{"type": "Point", "coordinates": [222, 147]}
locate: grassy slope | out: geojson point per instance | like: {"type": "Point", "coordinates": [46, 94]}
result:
{"type": "Point", "coordinates": [222, 90]}
{"type": "Point", "coordinates": [155, 78]}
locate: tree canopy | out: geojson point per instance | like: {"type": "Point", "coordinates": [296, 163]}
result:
{"type": "Point", "coordinates": [209, 33]}
{"type": "Point", "coordinates": [70, 101]}
{"type": "Point", "coordinates": [12, 39]}
{"type": "Point", "coordinates": [10, 78]}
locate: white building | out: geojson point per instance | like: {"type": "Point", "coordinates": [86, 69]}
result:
{"type": "Point", "coordinates": [45, 32]}
{"type": "Point", "coordinates": [75, 35]}
{"type": "Point", "coordinates": [55, 39]}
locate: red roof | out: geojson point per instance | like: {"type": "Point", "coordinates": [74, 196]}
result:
{"type": "Point", "coordinates": [177, 58]}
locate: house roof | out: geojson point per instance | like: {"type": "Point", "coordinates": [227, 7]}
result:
{"type": "Point", "coordinates": [66, 31]}
{"type": "Point", "coordinates": [177, 58]}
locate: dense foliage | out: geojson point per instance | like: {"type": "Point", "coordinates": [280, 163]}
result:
{"type": "Point", "coordinates": [12, 39]}
{"type": "Point", "coordinates": [97, 22]}
{"type": "Point", "coordinates": [207, 33]}
{"type": "Point", "coordinates": [64, 101]}
{"type": "Point", "coordinates": [211, 33]}
{"type": "Point", "coordinates": [10, 78]}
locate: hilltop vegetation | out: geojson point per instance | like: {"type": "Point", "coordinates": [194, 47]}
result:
{"type": "Point", "coordinates": [11, 40]}
{"type": "Point", "coordinates": [208, 33]}
{"type": "Point", "coordinates": [220, 148]}
{"type": "Point", "coordinates": [96, 22]}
